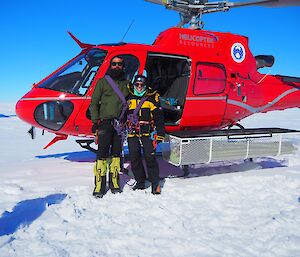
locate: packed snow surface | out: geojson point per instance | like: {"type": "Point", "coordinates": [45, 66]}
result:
{"type": "Point", "coordinates": [222, 209]}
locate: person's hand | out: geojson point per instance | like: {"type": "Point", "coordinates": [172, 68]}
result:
{"type": "Point", "coordinates": [94, 128]}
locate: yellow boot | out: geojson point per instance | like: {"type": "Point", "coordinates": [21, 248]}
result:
{"type": "Point", "coordinates": [100, 169]}
{"type": "Point", "coordinates": [114, 171]}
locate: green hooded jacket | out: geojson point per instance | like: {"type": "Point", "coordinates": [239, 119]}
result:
{"type": "Point", "coordinates": [105, 103]}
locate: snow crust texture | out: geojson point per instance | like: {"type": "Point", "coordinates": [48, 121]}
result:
{"type": "Point", "coordinates": [224, 209]}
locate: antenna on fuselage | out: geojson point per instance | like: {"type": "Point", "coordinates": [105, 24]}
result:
{"type": "Point", "coordinates": [127, 30]}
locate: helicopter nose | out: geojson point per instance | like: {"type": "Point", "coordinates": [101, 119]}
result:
{"type": "Point", "coordinates": [25, 110]}
{"type": "Point", "coordinates": [50, 112]}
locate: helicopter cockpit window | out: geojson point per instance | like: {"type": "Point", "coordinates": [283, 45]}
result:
{"type": "Point", "coordinates": [131, 65]}
{"type": "Point", "coordinates": [77, 77]}
{"type": "Point", "coordinates": [53, 114]}
{"type": "Point", "coordinates": [210, 79]}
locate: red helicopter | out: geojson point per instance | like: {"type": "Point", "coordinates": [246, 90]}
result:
{"type": "Point", "coordinates": [207, 80]}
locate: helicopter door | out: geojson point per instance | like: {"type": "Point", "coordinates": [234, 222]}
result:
{"type": "Point", "coordinates": [170, 76]}
{"type": "Point", "coordinates": [83, 119]}
{"type": "Point", "coordinates": [205, 105]}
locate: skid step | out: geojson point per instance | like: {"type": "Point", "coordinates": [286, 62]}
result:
{"type": "Point", "coordinates": [86, 144]}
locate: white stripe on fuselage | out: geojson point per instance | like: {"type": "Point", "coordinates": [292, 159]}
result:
{"type": "Point", "coordinates": [53, 98]}
{"type": "Point", "coordinates": [259, 109]}
{"type": "Point", "coordinates": [243, 105]}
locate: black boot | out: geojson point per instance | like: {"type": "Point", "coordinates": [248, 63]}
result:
{"type": "Point", "coordinates": [114, 177]}
{"type": "Point", "coordinates": [155, 188]}
{"type": "Point", "coordinates": [139, 186]}
{"type": "Point", "coordinates": [114, 183]}
{"type": "Point", "coordinates": [102, 191]}
{"type": "Point", "coordinates": [100, 168]}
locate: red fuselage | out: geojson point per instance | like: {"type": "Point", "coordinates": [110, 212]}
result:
{"type": "Point", "coordinates": [223, 84]}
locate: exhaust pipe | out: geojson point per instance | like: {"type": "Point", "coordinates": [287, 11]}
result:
{"type": "Point", "coordinates": [264, 61]}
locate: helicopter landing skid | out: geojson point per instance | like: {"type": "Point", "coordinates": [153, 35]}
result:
{"type": "Point", "coordinates": [86, 144]}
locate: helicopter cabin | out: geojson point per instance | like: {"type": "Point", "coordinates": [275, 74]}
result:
{"type": "Point", "coordinates": [195, 72]}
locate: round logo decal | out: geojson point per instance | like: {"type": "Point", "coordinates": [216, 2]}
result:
{"type": "Point", "coordinates": [238, 52]}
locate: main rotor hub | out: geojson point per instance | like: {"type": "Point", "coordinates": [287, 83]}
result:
{"type": "Point", "coordinates": [191, 11]}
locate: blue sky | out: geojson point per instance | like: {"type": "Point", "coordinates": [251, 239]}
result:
{"type": "Point", "coordinates": [34, 40]}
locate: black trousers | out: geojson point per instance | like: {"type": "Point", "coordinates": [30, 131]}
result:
{"type": "Point", "coordinates": [135, 147]}
{"type": "Point", "coordinates": [109, 142]}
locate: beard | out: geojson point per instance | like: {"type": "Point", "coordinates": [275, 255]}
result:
{"type": "Point", "coordinates": [116, 73]}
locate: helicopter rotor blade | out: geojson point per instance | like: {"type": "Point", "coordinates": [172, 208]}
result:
{"type": "Point", "coordinates": [266, 3]}
{"type": "Point", "coordinates": [281, 3]}
{"type": "Point", "coordinates": [171, 3]}
{"type": "Point", "coordinates": [175, 5]}
{"type": "Point", "coordinates": [154, 1]}
{"type": "Point", "coordinates": [161, 2]}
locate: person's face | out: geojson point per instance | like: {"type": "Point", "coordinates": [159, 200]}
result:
{"type": "Point", "coordinates": [139, 86]}
{"type": "Point", "coordinates": [117, 63]}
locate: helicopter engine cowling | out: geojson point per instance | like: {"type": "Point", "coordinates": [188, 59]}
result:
{"type": "Point", "coordinates": [264, 61]}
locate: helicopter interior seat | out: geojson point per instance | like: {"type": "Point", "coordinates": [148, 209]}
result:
{"type": "Point", "coordinates": [163, 73]}
{"type": "Point", "coordinates": [172, 101]}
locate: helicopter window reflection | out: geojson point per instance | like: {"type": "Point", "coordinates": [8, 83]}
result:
{"type": "Point", "coordinates": [77, 77]}
{"type": "Point", "coordinates": [210, 79]}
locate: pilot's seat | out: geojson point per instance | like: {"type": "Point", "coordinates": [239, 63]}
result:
{"type": "Point", "coordinates": [173, 99]}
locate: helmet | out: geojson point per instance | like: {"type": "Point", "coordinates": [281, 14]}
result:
{"type": "Point", "coordinates": [138, 80]}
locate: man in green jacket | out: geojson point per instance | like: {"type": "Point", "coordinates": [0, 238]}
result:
{"type": "Point", "coordinates": [106, 108]}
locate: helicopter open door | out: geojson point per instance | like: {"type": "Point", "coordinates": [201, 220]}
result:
{"type": "Point", "coordinates": [169, 75]}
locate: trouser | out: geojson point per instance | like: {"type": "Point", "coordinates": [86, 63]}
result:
{"type": "Point", "coordinates": [109, 142]}
{"type": "Point", "coordinates": [108, 158]}
{"type": "Point", "coordinates": [135, 144]}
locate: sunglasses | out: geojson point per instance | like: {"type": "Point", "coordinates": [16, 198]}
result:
{"type": "Point", "coordinates": [139, 84]}
{"type": "Point", "coordinates": [120, 64]}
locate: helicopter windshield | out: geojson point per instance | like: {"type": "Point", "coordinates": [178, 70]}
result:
{"type": "Point", "coordinates": [76, 77]}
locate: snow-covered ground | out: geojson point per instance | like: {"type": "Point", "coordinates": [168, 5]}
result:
{"type": "Point", "coordinates": [225, 209]}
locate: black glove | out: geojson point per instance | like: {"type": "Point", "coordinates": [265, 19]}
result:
{"type": "Point", "coordinates": [94, 128]}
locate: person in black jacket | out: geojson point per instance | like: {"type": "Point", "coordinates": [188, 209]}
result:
{"type": "Point", "coordinates": [144, 117]}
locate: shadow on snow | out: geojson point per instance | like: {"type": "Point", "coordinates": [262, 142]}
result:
{"type": "Point", "coordinates": [25, 212]}
{"type": "Point", "coordinates": [199, 170]}
{"type": "Point", "coordinates": [168, 170]}
{"type": "Point", "coordinates": [6, 116]}
{"type": "Point", "coordinates": [80, 156]}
